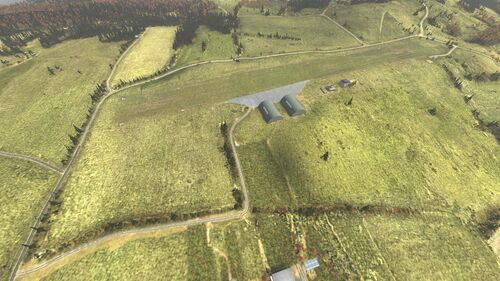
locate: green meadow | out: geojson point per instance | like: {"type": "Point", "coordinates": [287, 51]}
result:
{"type": "Point", "coordinates": [39, 110]}
{"type": "Point", "coordinates": [377, 22]}
{"type": "Point", "coordinates": [304, 33]}
{"type": "Point", "coordinates": [386, 149]}
{"type": "Point", "coordinates": [23, 186]}
{"type": "Point", "coordinates": [150, 54]}
{"type": "Point", "coordinates": [212, 252]}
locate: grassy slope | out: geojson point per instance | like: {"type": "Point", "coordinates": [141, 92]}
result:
{"type": "Point", "coordinates": [485, 93]}
{"type": "Point", "coordinates": [314, 32]}
{"type": "Point", "coordinates": [383, 247]}
{"type": "Point", "coordinates": [348, 246]}
{"type": "Point", "coordinates": [432, 247]}
{"type": "Point", "coordinates": [414, 160]}
{"type": "Point", "coordinates": [175, 165]}
{"type": "Point", "coordinates": [149, 55]}
{"type": "Point", "coordinates": [182, 256]}
{"type": "Point", "coordinates": [364, 19]}
{"type": "Point", "coordinates": [149, 259]}
{"type": "Point", "coordinates": [469, 26]}
{"type": "Point", "coordinates": [39, 110]}
{"type": "Point", "coordinates": [23, 186]}
{"type": "Point", "coordinates": [219, 46]}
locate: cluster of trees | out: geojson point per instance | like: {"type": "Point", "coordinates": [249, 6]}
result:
{"type": "Point", "coordinates": [457, 81]}
{"type": "Point", "coordinates": [492, 127]}
{"type": "Point", "coordinates": [483, 76]}
{"type": "Point", "coordinates": [228, 151]}
{"type": "Point", "coordinates": [489, 36]}
{"type": "Point", "coordinates": [56, 20]}
{"type": "Point", "coordinates": [278, 36]}
{"type": "Point", "coordinates": [297, 5]}
{"type": "Point", "coordinates": [471, 5]}
{"type": "Point", "coordinates": [238, 45]}
{"type": "Point", "coordinates": [52, 71]}
{"type": "Point", "coordinates": [347, 208]}
{"type": "Point", "coordinates": [216, 21]}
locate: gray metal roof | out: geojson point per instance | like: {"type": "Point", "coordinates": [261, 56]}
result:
{"type": "Point", "coordinates": [274, 95]}
{"type": "Point", "coordinates": [284, 275]}
{"type": "Point", "coordinates": [269, 111]}
{"type": "Point", "coordinates": [292, 105]}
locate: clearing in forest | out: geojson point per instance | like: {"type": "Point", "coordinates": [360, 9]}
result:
{"type": "Point", "coordinates": [150, 54]}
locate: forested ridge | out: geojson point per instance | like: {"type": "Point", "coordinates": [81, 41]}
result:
{"type": "Point", "coordinates": [55, 20]}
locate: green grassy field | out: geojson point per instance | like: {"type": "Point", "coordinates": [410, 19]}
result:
{"type": "Point", "coordinates": [177, 142]}
{"type": "Point", "coordinates": [353, 246]}
{"type": "Point", "coordinates": [348, 245]}
{"type": "Point", "coordinates": [214, 83]}
{"type": "Point", "coordinates": [149, 55]}
{"type": "Point", "coordinates": [467, 24]}
{"type": "Point", "coordinates": [174, 165]}
{"type": "Point", "coordinates": [219, 46]}
{"type": "Point", "coordinates": [195, 254]}
{"type": "Point", "coordinates": [364, 19]}
{"type": "Point", "coordinates": [432, 247]}
{"type": "Point", "coordinates": [485, 93]}
{"type": "Point", "coordinates": [23, 187]}
{"type": "Point", "coordinates": [313, 32]}
{"type": "Point", "coordinates": [38, 110]}
{"type": "Point", "coordinates": [385, 149]}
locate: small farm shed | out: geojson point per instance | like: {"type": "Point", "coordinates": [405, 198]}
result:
{"type": "Point", "coordinates": [344, 83]}
{"type": "Point", "coordinates": [284, 275]}
{"type": "Point", "coordinates": [311, 264]}
{"type": "Point", "coordinates": [292, 105]}
{"type": "Point", "coordinates": [269, 111]}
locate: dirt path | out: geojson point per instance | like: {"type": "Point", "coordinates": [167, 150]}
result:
{"type": "Point", "coordinates": [381, 25]}
{"type": "Point", "coordinates": [323, 14]}
{"type": "Point", "coordinates": [37, 161]}
{"type": "Point", "coordinates": [219, 252]}
{"type": "Point", "coordinates": [446, 54]}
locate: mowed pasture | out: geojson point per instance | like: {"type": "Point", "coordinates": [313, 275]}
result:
{"type": "Point", "coordinates": [139, 166]}
{"type": "Point", "coordinates": [298, 33]}
{"type": "Point", "coordinates": [385, 149]}
{"type": "Point", "coordinates": [150, 54]}
{"type": "Point", "coordinates": [376, 22]}
{"type": "Point", "coordinates": [23, 187]}
{"type": "Point", "coordinates": [205, 252]}
{"type": "Point", "coordinates": [38, 110]}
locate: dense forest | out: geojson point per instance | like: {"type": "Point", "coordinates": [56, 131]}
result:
{"type": "Point", "coordinates": [54, 20]}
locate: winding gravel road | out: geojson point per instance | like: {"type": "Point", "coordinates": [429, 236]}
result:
{"type": "Point", "coordinates": [32, 159]}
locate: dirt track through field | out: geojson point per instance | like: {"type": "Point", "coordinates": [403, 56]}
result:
{"type": "Point", "coordinates": [32, 159]}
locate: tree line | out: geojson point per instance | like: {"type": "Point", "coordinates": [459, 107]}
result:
{"type": "Point", "coordinates": [56, 20]}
